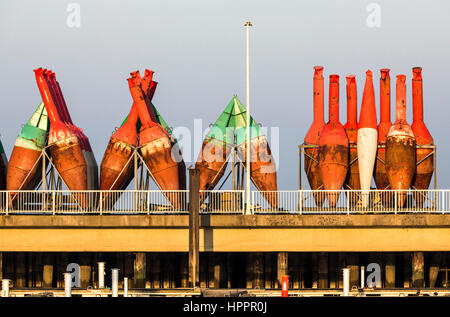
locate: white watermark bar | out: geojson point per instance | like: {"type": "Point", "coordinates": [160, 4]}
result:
{"type": "Point", "coordinates": [153, 202]}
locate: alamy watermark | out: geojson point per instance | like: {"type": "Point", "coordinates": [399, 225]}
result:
{"type": "Point", "coordinates": [373, 20]}
{"type": "Point", "coordinates": [73, 19]}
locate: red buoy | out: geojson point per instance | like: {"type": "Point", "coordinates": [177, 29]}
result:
{"type": "Point", "coordinates": [367, 138]}
{"type": "Point", "coordinates": [425, 167]}
{"type": "Point", "coordinates": [333, 147]}
{"type": "Point", "coordinates": [400, 146]}
{"type": "Point", "coordinates": [381, 179]}
{"type": "Point", "coordinates": [351, 128]}
{"type": "Point", "coordinates": [312, 138]}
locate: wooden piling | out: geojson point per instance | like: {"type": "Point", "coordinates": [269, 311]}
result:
{"type": "Point", "coordinates": [85, 269]}
{"type": "Point", "coordinates": [352, 260]}
{"type": "Point", "coordinates": [139, 269]}
{"type": "Point", "coordinates": [406, 269]}
{"type": "Point", "coordinates": [268, 263]}
{"type": "Point", "coordinates": [47, 270]}
{"type": "Point", "coordinates": [418, 270]}
{"type": "Point", "coordinates": [184, 271]}
{"type": "Point", "coordinates": [258, 270]}
{"type": "Point", "coordinates": [435, 262]}
{"type": "Point", "coordinates": [314, 270]}
{"type": "Point", "coordinates": [37, 269]}
{"type": "Point", "coordinates": [1, 266]}
{"type": "Point", "coordinates": [282, 266]}
{"type": "Point", "coordinates": [156, 270]}
{"type": "Point", "coordinates": [323, 270]}
{"type": "Point", "coordinates": [20, 264]}
{"type": "Point", "coordinates": [389, 270]}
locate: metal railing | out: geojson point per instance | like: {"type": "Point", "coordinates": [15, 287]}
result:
{"type": "Point", "coordinates": [351, 201]}
{"type": "Point", "coordinates": [224, 202]}
{"type": "Point", "coordinates": [89, 202]}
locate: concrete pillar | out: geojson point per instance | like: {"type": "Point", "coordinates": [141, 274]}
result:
{"type": "Point", "coordinates": [20, 265]}
{"type": "Point", "coordinates": [406, 269]}
{"type": "Point", "coordinates": [434, 268]}
{"type": "Point", "coordinates": [258, 270]}
{"type": "Point", "coordinates": [389, 270]}
{"type": "Point", "coordinates": [139, 270]}
{"type": "Point", "coordinates": [170, 270]}
{"type": "Point", "coordinates": [353, 265]}
{"type": "Point", "coordinates": [148, 269]}
{"type": "Point", "coordinates": [219, 271]}
{"type": "Point", "coordinates": [85, 269]}
{"type": "Point", "coordinates": [268, 270]}
{"type": "Point", "coordinates": [301, 267]}
{"type": "Point", "coordinates": [184, 272]}
{"type": "Point", "coordinates": [47, 270]}
{"type": "Point", "coordinates": [282, 266]}
{"type": "Point", "coordinates": [194, 226]}
{"type": "Point", "coordinates": [418, 270]}
{"type": "Point", "coordinates": [323, 270]}
{"type": "Point", "coordinates": [203, 269]}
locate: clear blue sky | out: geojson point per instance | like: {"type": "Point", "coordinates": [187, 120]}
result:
{"type": "Point", "coordinates": [197, 49]}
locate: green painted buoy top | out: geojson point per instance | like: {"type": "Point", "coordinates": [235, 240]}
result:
{"type": "Point", "coordinates": [34, 133]}
{"type": "Point", "coordinates": [231, 126]}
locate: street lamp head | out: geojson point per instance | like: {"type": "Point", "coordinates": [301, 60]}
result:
{"type": "Point", "coordinates": [248, 23]}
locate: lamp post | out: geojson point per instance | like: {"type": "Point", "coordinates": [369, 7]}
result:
{"type": "Point", "coordinates": [248, 24]}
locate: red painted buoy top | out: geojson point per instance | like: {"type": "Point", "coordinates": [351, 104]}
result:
{"type": "Point", "coordinates": [351, 127]}
{"type": "Point", "coordinates": [312, 137]}
{"type": "Point", "coordinates": [400, 127]}
{"type": "Point", "coordinates": [333, 132]}
{"type": "Point", "coordinates": [423, 136]}
{"type": "Point", "coordinates": [385, 105]}
{"type": "Point", "coordinates": [368, 114]}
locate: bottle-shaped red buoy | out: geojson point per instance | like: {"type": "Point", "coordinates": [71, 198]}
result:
{"type": "Point", "coordinates": [424, 156]}
{"type": "Point", "coordinates": [351, 128]}
{"type": "Point", "coordinates": [367, 138]}
{"type": "Point", "coordinates": [333, 148]}
{"type": "Point", "coordinates": [400, 146]}
{"type": "Point", "coordinates": [312, 138]}
{"type": "Point", "coordinates": [381, 179]}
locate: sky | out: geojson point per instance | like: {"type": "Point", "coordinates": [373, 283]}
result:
{"type": "Point", "coordinates": [197, 50]}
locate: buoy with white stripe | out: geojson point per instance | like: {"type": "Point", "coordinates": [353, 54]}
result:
{"type": "Point", "coordinates": [367, 138]}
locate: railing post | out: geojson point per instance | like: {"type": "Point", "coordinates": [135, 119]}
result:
{"type": "Point", "coordinates": [443, 201]}
{"type": "Point", "coordinates": [148, 202]}
{"type": "Point", "coordinates": [301, 201]}
{"type": "Point", "coordinates": [7, 203]}
{"type": "Point", "coordinates": [101, 203]}
{"type": "Point", "coordinates": [53, 202]}
{"type": "Point", "coordinates": [395, 201]}
{"type": "Point", "coordinates": [348, 202]}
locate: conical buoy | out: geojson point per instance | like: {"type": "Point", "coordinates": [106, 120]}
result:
{"type": "Point", "coordinates": [400, 147]}
{"type": "Point", "coordinates": [351, 128]}
{"type": "Point", "coordinates": [312, 138]}
{"type": "Point", "coordinates": [333, 147]}
{"type": "Point", "coordinates": [367, 137]}
{"type": "Point", "coordinates": [425, 167]}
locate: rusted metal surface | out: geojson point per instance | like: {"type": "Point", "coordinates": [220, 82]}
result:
{"type": "Point", "coordinates": [400, 146]}
{"type": "Point", "coordinates": [159, 151]}
{"type": "Point", "coordinates": [351, 128]}
{"type": "Point", "coordinates": [65, 147]}
{"type": "Point", "coordinates": [424, 156]}
{"type": "Point", "coordinates": [212, 162]}
{"type": "Point", "coordinates": [312, 137]}
{"type": "Point", "coordinates": [262, 167]}
{"type": "Point", "coordinates": [381, 179]}
{"type": "Point", "coordinates": [333, 147]}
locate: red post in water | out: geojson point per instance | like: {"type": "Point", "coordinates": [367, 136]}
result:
{"type": "Point", "coordinates": [285, 286]}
